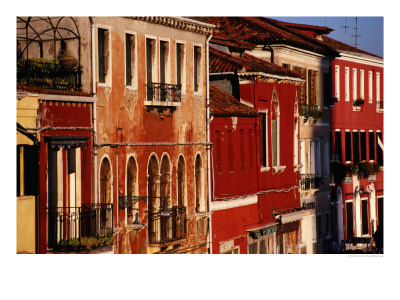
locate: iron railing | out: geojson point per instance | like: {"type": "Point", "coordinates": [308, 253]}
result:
{"type": "Point", "coordinates": [76, 222]}
{"type": "Point", "coordinates": [310, 181]}
{"type": "Point", "coordinates": [49, 74]}
{"type": "Point", "coordinates": [167, 225]}
{"type": "Point", "coordinates": [163, 92]}
{"type": "Point", "coordinates": [379, 104]}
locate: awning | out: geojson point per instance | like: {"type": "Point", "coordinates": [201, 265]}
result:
{"type": "Point", "coordinates": [289, 215]}
{"type": "Point", "coordinates": [257, 232]}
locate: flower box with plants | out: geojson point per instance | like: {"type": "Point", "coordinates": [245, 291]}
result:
{"type": "Point", "coordinates": [84, 244]}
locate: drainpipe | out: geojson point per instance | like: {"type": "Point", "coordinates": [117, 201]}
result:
{"type": "Point", "coordinates": [272, 53]}
{"type": "Point", "coordinates": [208, 140]}
{"type": "Point", "coordinates": [117, 206]}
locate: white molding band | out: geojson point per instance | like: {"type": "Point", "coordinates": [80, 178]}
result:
{"type": "Point", "coordinates": [221, 205]}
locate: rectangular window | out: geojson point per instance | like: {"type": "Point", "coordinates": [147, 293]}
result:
{"type": "Point", "coordinates": [364, 216]}
{"type": "Point", "coordinates": [371, 145]}
{"type": "Point", "coordinates": [287, 66]}
{"type": "Point", "coordinates": [363, 146]}
{"type": "Point", "coordinates": [103, 54]}
{"type": "Point", "coordinates": [338, 145]}
{"type": "Point", "coordinates": [263, 138]}
{"type": "Point", "coordinates": [347, 84]}
{"type": "Point", "coordinates": [379, 153]}
{"type": "Point", "coordinates": [196, 68]}
{"type": "Point", "coordinates": [179, 63]}
{"type": "Point", "coordinates": [253, 248]}
{"type": "Point", "coordinates": [129, 58]}
{"type": "Point", "coordinates": [150, 60]}
{"type": "Point", "coordinates": [362, 84]}
{"type": "Point", "coordinates": [354, 84]}
{"type": "Point", "coordinates": [274, 142]}
{"type": "Point", "coordinates": [337, 82]}
{"type": "Point", "coordinates": [370, 86]}
{"type": "Point", "coordinates": [356, 147]}
{"type": "Point", "coordinates": [349, 219]}
{"type": "Point", "coordinates": [312, 95]}
{"type": "Point", "coordinates": [263, 248]}
{"type": "Point", "coordinates": [347, 145]}
{"type": "Point", "coordinates": [378, 87]}
{"type": "Point", "coordinates": [163, 61]}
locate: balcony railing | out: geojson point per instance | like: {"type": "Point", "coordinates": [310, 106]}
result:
{"type": "Point", "coordinates": [49, 74]}
{"type": "Point", "coordinates": [310, 181]}
{"type": "Point", "coordinates": [310, 111]}
{"type": "Point", "coordinates": [379, 104]}
{"type": "Point", "coordinates": [76, 222]}
{"type": "Point", "coordinates": [163, 92]}
{"type": "Point", "coordinates": [167, 225]}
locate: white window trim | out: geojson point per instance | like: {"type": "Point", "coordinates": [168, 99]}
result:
{"type": "Point", "coordinates": [378, 87]}
{"type": "Point", "coordinates": [337, 82]}
{"type": "Point", "coordinates": [370, 86]}
{"type": "Point", "coordinates": [362, 84]}
{"type": "Point", "coordinates": [347, 84]}
{"type": "Point", "coordinates": [200, 70]}
{"type": "Point", "coordinates": [156, 55]}
{"type": "Point", "coordinates": [134, 85]}
{"type": "Point", "coordinates": [354, 84]}
{"type": "Point", "coordinates": [184, 43]}
{"type": "Point", "coordinates": [108, 80]}
{"type": "Point", "coordinates": [168, 78]}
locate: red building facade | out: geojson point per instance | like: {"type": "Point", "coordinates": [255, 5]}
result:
{"type": "Point", "coordinates": [256, 202]}
{"type": "Point", "coordinates": [357, 142]}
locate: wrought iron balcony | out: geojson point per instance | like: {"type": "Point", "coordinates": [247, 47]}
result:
{"type": "Point", "coordinates": [49, 74]}
{"type": "Point", "coordinates": [76, 222]}
{"type": "Point", "coordinates": [163, 92]}
{"type": "Point", "coordinates": [310, 181]}
{"type": "Point", "coordinates": [167, 225]}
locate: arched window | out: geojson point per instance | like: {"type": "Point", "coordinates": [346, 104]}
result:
{"type": "Point", "coordinates": [165, 180]}
{"type": "Point", "coordinates": [152, 190]}
{"type": "Point", "coordinates": [132, 213]}
{"type": "Point", "coordinates": [105, 194]}
{"type": "Point", "coordinates": [275, 129]}
{"type": "Point", "coordinates": [198, 178]}
{"type": "Point", "coordinates": [181, 182]}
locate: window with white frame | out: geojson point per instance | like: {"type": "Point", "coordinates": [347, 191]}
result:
{"type": "Point", "coordinates": [180, 66]}
{"type": "Point", "coordinates": [151, 67]}
{"type": "Point", "coordinates": [337, 82]}
{"type": "Point", "coordinates": [130, 59]}
{"type": "Point", "coordinates": [362, 84]}
{"type": "Point", "coordinates": [164, 62]}
{"type": "Point", "coordinates": [103, 55]}
{"type": "Point", "coordinates": [347, 84]}
{"type": "Point", "coordinates": [370, 86]}
{"type": "Point", "coordinates": [354, 84]}
{"type": "Point", "coordinates": [378, 87]}
{"type": "Point", "coordinates": [197, 68]}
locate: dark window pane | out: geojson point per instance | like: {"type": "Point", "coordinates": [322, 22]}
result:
{"type": "Point", "coordinates": [274, 142]}
{"type": "Point", "coordinates": [364, 211]}
{"type": "Point", "coordinates": [349, 219]}
{"type": "Point", "coordinates": [338, 145]}
{"type": "Point", "coordinates": [363, 139]}
{"type": "Point", "coordinates": [356, 147]}
{"type": "Point", "coordinates": [379, 153]}
{"type": "Point", "coordinates": [371, 142]}
{"type": "Point", "coordinates": [348, 145]}
{"type": "Point", "coordinates": [101, 53]}
{"type": "Point", "coordinates": [263, 139]}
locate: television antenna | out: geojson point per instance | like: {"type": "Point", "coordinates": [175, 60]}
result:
{"type": "Point", "coordinates": [356, 35]}
{"type": "Point", "coordinates": [345, 28]}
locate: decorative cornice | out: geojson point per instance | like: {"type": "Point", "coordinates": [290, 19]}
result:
{"type": "Point", "coordinates": [180, 23]}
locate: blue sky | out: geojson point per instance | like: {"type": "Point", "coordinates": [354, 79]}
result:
{"type": "Point", "coordinates": [370, 30]}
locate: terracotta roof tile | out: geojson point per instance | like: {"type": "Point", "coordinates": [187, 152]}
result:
{"type": "Point", "coordinates": [224, 104]}
{"type": "Point", "coordinates": [224, 62]}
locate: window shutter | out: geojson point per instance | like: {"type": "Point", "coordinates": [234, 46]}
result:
{"type": "Point", "coordinates": [311, 87]}
{"type": "Point", "coordinates": [302, 72]}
